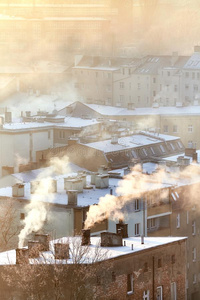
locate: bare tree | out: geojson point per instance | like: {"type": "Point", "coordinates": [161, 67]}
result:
{"type": "Point", "coordinates": [9, 226]}
{"type": "Point", "coordinates": [46, 277]}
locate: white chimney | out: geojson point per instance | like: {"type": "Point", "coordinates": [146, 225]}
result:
{"type": "Point", "coordinates": [72, 197]}
{"type": "Point", "coordinates": [102, 181]}
{"type": "Point", "coordinates": [73, 184]}
{"type": "Point", "coordinates": [18, 190]}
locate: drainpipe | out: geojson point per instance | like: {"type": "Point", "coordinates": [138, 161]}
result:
{"type": "Point", "coordinates": [153, 276]}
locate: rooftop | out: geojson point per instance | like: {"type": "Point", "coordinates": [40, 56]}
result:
{"type": "Point", "coordinates": [9, 257]}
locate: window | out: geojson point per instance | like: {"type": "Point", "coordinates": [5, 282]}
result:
{"type": "Point", "coordinates": [49, 134]}
{"type": "Point", "coordinates": [186, 86]}
{"type": "Point", "coordinates": [62, 134]}
{"type": "Point", "coordinates": [179, 144]}
{"type": "Point", "coordinates": [113, 276]}
{"type": "Point", "coordinates": [195, 88]}
{"type": "Point", "coordinates": [190, 128]}
{"type": "Point", "coordinates": [178, 221]}
{"type": "Point", "coordinates": [190, 144]}
{"type": "Point", "coordinates": [159, 263]}
{"type": "Point", "coordinates": [194, 254]}
{"type": "Point", "coordinates": [159, 293]}
{"type": "Point", "coordinates": [138, 86]}
{"type": "Point", "coordinates": [121, 98]}
{"type": "Point", "coordinates": [137, 204]}
{"type": "Point", "coordinates": [145, 152]}
{"type": "Point", "coordinates": [154, 93]}
{"type": "Point", "coordinates": [193, 75]}
{"type": "Point", "coordinates": [172, 146]}
{"type": "Point", "coordinates": [175, 88]}
{"type": "Point", "coordinates": [175, 128]}
{"type": "Point", "coordinates": [194, 278]}
{"type": "Point", "coordinates": [146, 267]}
{"type": "Point", "coordinates": [109, 75]}
{"type": "Point", "coordinates": [187, 74]}
{"type": "Point", "coordinates": [96, 74]}
{"type": "Point", "coordinates": [173, 291]}
{"type": "Point", "coordinates": [168, 73]}
{"type": "Point", "coordinates": [193, 228]}
{"type": "Point", "coordinates": [151, 224]}
{"type": "Point", "coordinates": [152, 150]}
{"type": "Point", "coordinates": [22, 216]}
{"type": "Point", "coordinates": [121, 85]}
{"type": "Point", "coordinates": [165, 128]}
{"type": "Point", "coordinates": [173, 259]}
{"type": "Point", "coordinates": [138, 99]}
{"type": "Point", "coordinates": [146, 295]}
{"type": "Point", "coordinates": [162, 148]}
{"type": "Point", "coordinates": [137, 229]}
{"type": "Point", "coordinates": [154, 80]}
{"type": "Point", "coordinates": [130, 284]}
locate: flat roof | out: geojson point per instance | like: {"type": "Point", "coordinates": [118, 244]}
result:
{"type": "Point", "coordinates": [150, 243]}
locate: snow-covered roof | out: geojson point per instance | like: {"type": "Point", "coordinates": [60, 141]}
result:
{"type": "Point", "coordinates": [9, 257]}
{"type": "Point", "coordinates": [69, 122]}
{"type": "Point", "coordinates": [129, 142]}
{"type": "Point", "coordinates": [120, 111]}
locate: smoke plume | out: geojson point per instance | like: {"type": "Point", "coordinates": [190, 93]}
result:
{"type": "Point", "coordinates": [135, 185]}
{"type": "Point", "coordinates": [43, 187]}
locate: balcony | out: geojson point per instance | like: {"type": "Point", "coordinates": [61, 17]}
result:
{"type": "Point", "coordinates": [158, 209]}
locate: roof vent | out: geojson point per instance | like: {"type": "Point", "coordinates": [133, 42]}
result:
{"type": "Point", "coordinates": [114, 140]}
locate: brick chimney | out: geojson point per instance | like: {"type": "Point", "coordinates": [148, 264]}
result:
{"type": "Point", "coordinates": [61, 250]}
{"type": "Point", "coordinates": [85, 237]}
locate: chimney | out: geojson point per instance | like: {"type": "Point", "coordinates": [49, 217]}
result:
{"type": "Point", "coordinates": [34, 186]}
{"type": "Point", "coordinates": [114, 140]}
{"type": "Point", "coordinates": [174, 58]}
{"type": "Point", "coordinates": [194, 157]}
{"type": "Point", "coordinates": [74, 184]}
{"type": "Point", "coordinates": [43, 239]}
{"type": "Point", "coordinates": [61, 250]}
{"type": "Point", "coordinates": [18, 190]}
{"type": "Point", "coordinates": [52, 186]}
{"type": "Point", "coordinates": [142, 239]}
{"type": "Point", "coordinates": [122, 229]}
{"type": "Point", "coordinates": [72, 197]}
{"type": "Point", "coordinates": [103, 169]}
{"type": "Point", "coordinates": [8, 117]}
{"type": "Point", "coordinates": [22, 256]}
{"type": "Point", "coordinates": [85, 237]}
{"type": "Point", "coordinates": [102, 181]}
{"type": "Point", "coordinates": [109, 239]}
{"type": "Point", "coordinates": [93, 177]}
{"type": "Point", "coordinates": [28, 113]}
{"type": "Point", "coordinates": [34, 249]}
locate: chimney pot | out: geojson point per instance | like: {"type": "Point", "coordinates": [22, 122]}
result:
{"type": "Point", "coordinates": [85, 237]}
{"type": "Point", "coordinates": [22, 256]}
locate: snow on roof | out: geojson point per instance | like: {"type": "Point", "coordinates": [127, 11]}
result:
{"type": "Point", "coordinates": [129, 142]}
{"type": "Point", "coordinates": [70, 122]}
{"type": "Point", "coordinates": [33, 174]}
{"type": "Point", "coordinates": [9, 257]}
{"type": "Point", "coordinates": [193, 62]}
{"type": "Point", "coordinates": [120, 111]}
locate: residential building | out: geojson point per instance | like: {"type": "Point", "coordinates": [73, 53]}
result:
{"type": "Point", "coordinates": [22, 140]}
{"type": "Point", "coordinates": [135, 269]}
